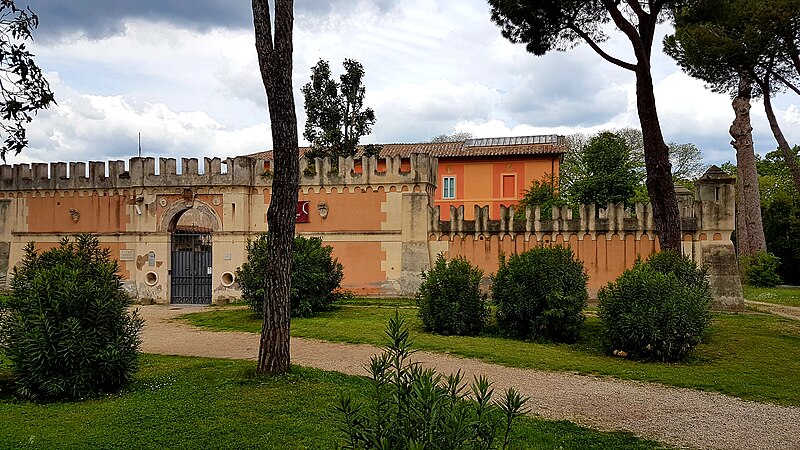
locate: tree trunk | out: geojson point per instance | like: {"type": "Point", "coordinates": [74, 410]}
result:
{"type": "Point", "coordinates": [275, 64]}
{"type": "Point", "coordinates": [783, 145]}
{"type": "Point", "coordinates": [659, 170]}
{"type": "Point", "coordinates": [750, 231]}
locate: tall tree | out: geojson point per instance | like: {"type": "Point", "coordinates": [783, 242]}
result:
{"type": "Point", "coordinates": [275, 63]}
{"type": "Point", "coordinates": [336, 117]}
{"type": "Point", "coordinates": [546, 25]}
{"type": "Point", "coordinates": [607, 172]}
{"type": "Point", "coordinates": [776, 39]}
{"type": "Point", "coordinates": [23, 89]}
{"type": "Point", "coordinates": [712, 42]}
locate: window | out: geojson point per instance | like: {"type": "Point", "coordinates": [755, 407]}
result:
{"type": "Point", "coordinates": [509, 186]}
{"type": "Point", "coordinates": [448, 187]}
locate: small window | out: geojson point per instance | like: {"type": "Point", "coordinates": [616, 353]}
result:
{"type": "Point", "coordinates": [449, 187]}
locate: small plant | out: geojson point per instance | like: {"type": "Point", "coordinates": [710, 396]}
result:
{"type": "Point", "coordinates": [543, 193]}
{"type": "Point", "coordinates": [657, 310]}
{"type": "Point", "coordinates": [450, 299]}
{"type": "Point", "coordinates": [66, 330]}
{"type": "Point", "coordinates": [316, 276]}
{"type": "Point", "coordinates": [540, 294]}
{"type": "Point", "coordinates": [761, 269]}
{"type": "Point", "coordinates": [411, 407]}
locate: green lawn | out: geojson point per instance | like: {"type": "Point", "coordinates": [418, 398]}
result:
{"type": "Point", "coordinates": [778, 296]}
{"type": "Point", "coordinates": [752, 356]}
{"type": "Point", "coordinates": [201, 403]}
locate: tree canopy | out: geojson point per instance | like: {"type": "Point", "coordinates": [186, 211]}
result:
{"type": "Point", "coordinates": [336, 117]}
{"type": "Point", "coordinates": [724, 42]}
{"type": "Point", "coordinates": [23, 89]}
{"type": "Point", "coordinates": [547, 25]}
{"type": "Point", "coordinates": [609, 175]}
{"type": "Point", "coordinates": [452, 137]}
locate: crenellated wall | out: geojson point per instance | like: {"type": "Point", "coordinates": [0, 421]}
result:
{"type": "Point", "coordinates": [608, 240]}
{"type": "Point", "coordinates": [376, 213]}
{"type": "Point", "coordinates": [135, 208]}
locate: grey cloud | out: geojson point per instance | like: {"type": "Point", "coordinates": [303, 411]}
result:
{"type": "Point", "coordinates": [97, 20]}
{"type": "Point", "coordinates": [564, 91]}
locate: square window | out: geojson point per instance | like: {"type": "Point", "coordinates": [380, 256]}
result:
{"type": "Point", "coordinates": [448, 187]}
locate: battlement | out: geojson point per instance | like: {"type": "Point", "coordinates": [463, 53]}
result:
{"type": "Point", "coordinates": [709, 209]}
{"type": "Point", "coordinates": [418, 168]}
{"type": "Point", "coordinates": [589, 219]}
{"type": "Point", "coordinates": [238, 171]}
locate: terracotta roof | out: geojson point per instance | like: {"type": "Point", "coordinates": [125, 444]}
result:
{"type": "Point", "coordinates": [509, 146]}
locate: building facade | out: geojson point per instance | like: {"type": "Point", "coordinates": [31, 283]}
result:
{"type": "Point", "coordinates": [179, 237]}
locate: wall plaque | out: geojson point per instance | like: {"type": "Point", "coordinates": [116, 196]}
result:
{"type": "Point", "coordinates": [127, 255]}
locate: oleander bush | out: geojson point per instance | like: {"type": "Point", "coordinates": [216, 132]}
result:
{"type": "Point", "coordinates": [761, 269]}
{"type": "Point", "coordinates": [66, 328]}
{"type": "Point", "coordinates": [316, 276]}
{"type": "Point", "coordinates": [540, 294]}
{"type": "Point", "coordinates": [658, 310]}
{"type": "Point", "coordinates": [411, 407]}
{"type": "Point", "coordinates": [450, 299]}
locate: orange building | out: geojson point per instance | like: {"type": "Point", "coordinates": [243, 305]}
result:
{"type": "Point", "coordinates": [480, 172]}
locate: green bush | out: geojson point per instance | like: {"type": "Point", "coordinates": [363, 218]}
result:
{"type": "Point", "coordinates": [761, 269]}
{"type": "Point", "coordinates": [67, 331]}
{"type": "Point", "coordinates": [657, 310]}
{"type": "Point", "coordinates": [316, 276]}
{"type": "Point", "coordinates": [540, 294]}
{"type": "Point", "coordinates": [411, 407]}
{"type": "Point", "coordinates": [781, 228]}
{"type": "Point", "coordinates": [450, 299]}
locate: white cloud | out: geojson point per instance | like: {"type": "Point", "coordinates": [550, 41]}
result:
{"type": "Point", "coordinates": [432, 67]}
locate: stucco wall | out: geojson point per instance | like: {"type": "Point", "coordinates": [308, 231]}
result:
{"type": "Point", "coordinates": [378, 215]}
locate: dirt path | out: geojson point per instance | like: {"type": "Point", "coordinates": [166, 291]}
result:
{"type": "Point", "coordinates": [681, 417]}
{"type": "Point", "coordinates": [789, 312]}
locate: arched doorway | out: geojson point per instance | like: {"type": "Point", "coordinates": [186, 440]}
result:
{"type": "Point", "coordinates": [191, 234]}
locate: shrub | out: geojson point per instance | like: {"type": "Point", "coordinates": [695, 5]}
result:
{"type": "Point", "coordinates": [316, 276]}
{"type": "Point", "coordinates": [657, 310]}
{"type": "Point", "coordinates": [409, 406]}
{"type": "Point", "coordinates": [781, 228]}
{"type": "Point", "coordinates": [761, 269]}
{"type": "Point", "coordinates": [540, 294]}
{"type": "Point", "coordinates": [450, 300]}
{"type": "Point", "coordinates": [67, 332]}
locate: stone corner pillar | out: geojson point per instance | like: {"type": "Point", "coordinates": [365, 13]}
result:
{"type": "Point", "coordinates": [715, 206]}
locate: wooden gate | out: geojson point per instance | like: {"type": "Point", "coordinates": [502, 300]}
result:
{"type": "Point", "coordinates": [191, 268]}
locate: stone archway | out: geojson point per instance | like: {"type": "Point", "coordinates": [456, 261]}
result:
{"type": "Point", "coordinates": [191, 228]}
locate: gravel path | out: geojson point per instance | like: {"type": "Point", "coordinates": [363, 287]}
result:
{"type": "Point", "coordinates": [789, 312]}
{"type": "Point", "coordinates": [680, 417]}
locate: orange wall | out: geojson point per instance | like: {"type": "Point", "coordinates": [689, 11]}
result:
{"type": "Point", "coordinates": [361, 262]}
{"type": "Point", "coordinates": [480, 181]}
{"type": "Point", "coordinates": [603, 258]}
{"type": "Point", "coordinates": [349, 211]}
{"type": "Point", "coordinates": [99, 212]}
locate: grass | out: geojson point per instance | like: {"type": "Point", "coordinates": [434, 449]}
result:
{"type": "Point", "coordinates": [201, 403]}
{"type": "Point", "coordinates": [751, 356]}
{"type": "Point", "coordinates": [788, 296]}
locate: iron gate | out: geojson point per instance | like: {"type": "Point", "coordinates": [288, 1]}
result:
{"type": "Point", "coordinates": [191, 268]}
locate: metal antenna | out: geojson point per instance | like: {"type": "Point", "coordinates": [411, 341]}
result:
{"type": "Point", "coordinates": [140, 144]}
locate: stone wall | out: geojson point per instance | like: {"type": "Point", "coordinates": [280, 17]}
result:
{"type": "Point", "coordinates": [376, 213]}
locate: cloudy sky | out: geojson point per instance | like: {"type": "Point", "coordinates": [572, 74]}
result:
{"type": "Point", "coordinates": [184, 74]}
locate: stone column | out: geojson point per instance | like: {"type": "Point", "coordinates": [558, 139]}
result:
{"type": "Point", "coordinates": [716, 212]}
{"type": "Point", "coordinates": [414, 257]}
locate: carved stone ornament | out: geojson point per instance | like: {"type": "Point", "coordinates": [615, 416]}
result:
{"type": "Point", "coordinates": [76, 216]}
{"type": "Point", "coordinates": [322, 207]}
